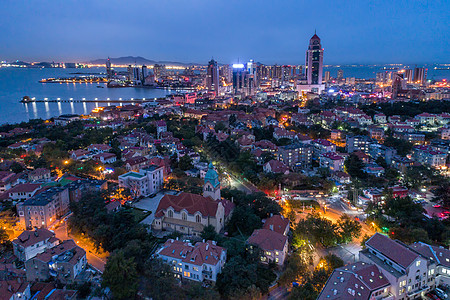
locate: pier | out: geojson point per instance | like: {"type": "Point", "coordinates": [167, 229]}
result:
{"type": "Point", "coordinates": [27, 99]}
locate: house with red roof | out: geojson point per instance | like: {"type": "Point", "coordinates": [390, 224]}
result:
{"type": "Point", "coordinates": [188, 213]}
{"type": "Point", "coordinates": [15, 289]}
{"type": "Point", "coordinates": [23, 191]}
{"type": "Point", "coordinates": [274, 245]}
{"type": "Point", "coordinates": [277, 223]}
{"type": "Point", "coordinates": [98, 148]}
{"type": "Point", "coordinates": [32, 242]}
{"type": "Point", "coordinates": [136, 163]}
{"type": "Point", "coordinates": [63, 262]}
{"type": "Point", "coordinates": [332, 161]}
{"type": "Point", "coordinates": [79, 154]}
{"type": "Point", "coordinates": [105, 158]}
{"type": "Point", "coordinates": [275, 166]}
{"type": "Point", "coordinates": [200, 262]}
{"type": "Point", "coordinates": [40, 174]}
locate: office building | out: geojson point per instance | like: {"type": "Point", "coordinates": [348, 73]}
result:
{"type": "Point", "coordinates": [327, 76]}
{"type": "Point", "coordinates": [314, 61]}
{"type": "Point", "coordinates": [212, 77]}
{"type": "Point", "coordinates": [340, 74]}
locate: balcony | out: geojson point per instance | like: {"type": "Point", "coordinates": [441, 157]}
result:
{"type": "Point", "coordinates": [206, 272]}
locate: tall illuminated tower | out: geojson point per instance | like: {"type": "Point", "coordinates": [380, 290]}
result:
{"type": "Point", "coordinates": [212, 77]}
{"type": "Point", "coordinates": [314, 61]}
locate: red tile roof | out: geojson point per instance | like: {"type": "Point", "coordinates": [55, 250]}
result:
{"type": "Point", "coordinates": [31, 237]}
{"type": "Point", "coordinates": [24, 188]}
{"type": "Point", "coordinates": [191, 202]}
{"type": "Point", "coordinates": [393, 250]}
{"type": "Point", "coordinates": [268, 240]}
{"type": "Point", "coordinates": [199, 254]}
{"type": "Point", "coordinates": [277, 223]}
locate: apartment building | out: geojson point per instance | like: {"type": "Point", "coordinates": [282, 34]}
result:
{"type": "Point", "coordinates": [200, 262]}
{"type": "Point", "coordinates": [32, 242]}
{"type": "Point", "coordinates": [146, 182]}
{"type": "Point", "coordinates": [296, 155]}
{"type": "Point", "coordinates": [45, 208]}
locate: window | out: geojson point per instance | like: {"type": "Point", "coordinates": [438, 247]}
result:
{"type": "Point", "coordinates": [184, 216]}
{"type": "Point", "coordinates": [170, 214]}
{"type": "Point", "coordinates": [417, 263]}
{"type": "Point", "coordinates": [198, 219]}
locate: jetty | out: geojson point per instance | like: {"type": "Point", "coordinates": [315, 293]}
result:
{"type": "Point", "coordinates": [27, 99]}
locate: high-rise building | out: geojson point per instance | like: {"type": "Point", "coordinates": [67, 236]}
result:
{"type": "Point", "coordinates": [340, 74]}
{"type": "Point", "coordinates": [108, 68]}
{"type": "Point", "coordinates": [243, 82]}
{"type": "Point", "coordinates": [314, 61]}
{"type": "Point", "coordinates": [144, 73]}
{"type": "Point", "coordinates": [159, 71]}
{"type": "Point", "coordinates": [327, 76]}
{"type": "Point", "coordinates": [420, 75]}
{"type": "Point", "coordinates": [409, 75]}
{"type": "Point", "coordinates": [212, 77]}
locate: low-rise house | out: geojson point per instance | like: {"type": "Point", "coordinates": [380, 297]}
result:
{"type": "Point", "coordinates": [373, 169]}
{"type": "Point", "coordinates": [39, 174]}
{"type": "Point", "coordinates": [379, 118]}
{"type": "Point", "coordinates": [277, 223]}
{"type": "Point", "coordinates": [188, 213]}
{"type": "Point", "coordinates": [426, 118]}
{"type": "Point", "coordinates": [356, 281]}
{"type": "Point", "coordinates": [63, 262]}
{"type": "Point", "coordinates": [275, 166]}
{"type": "Point", "coordinates": [274, 245]}
{"type": "Point", "coordinates": [99, 148]}
{"type": "Point", "coordinates": [15, 289]}
{"type": "Point", "coordinates": [200, 262]}
{"type": "Point", "coordinates": [79, 154]}
{"type": "Point", "coordinates": [341, 177]}
{"type": "Point", "coordinates": [32, 242]}
{"type": "Point", "coordinates": [23, 191]}
{"type": "Point", "coordinates": [136, 163]}
{"type": "Point", "coordinates": [105, 158]}
{"type": "Point", "coordinates": [146, 182]}
{"type": "Point", "coordinates": [281, 133]}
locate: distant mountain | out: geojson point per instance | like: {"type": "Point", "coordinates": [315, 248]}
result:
{"type": "Point", "coordinates": [139, 60]}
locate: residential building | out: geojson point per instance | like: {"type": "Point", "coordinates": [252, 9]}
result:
{"type": "Point", "coordinates": [275, 166]}
{"type": "Point", "coordinates": [377, 150]}
{"type": "Point", "coordinates": [98, 148]}
{"type": "Point", "coordinates": [200, 262]}
{"type": "Point", "coordinates": [277, 223]}
{"type": "Point", "coordinates": [136, 163]}
{"type": "Point", "coordinates": [357, 143]}
{"type": "Point", "coordinates": [314, 61]}
{"type": "Point", "coordinates": [274, 245]}
{"type": "Point", "coordinates": [356, 281]}
{"type": "Point", "coordinates": [332, 161]}
{"type": "Point", "coordinates": [63, 262]}
{"type": "Point", "coordinates": [188, 214]}
{"type": "Point", "coordinates": [79, 154]}
{"type": "Point", "coordinates": [380, 118]}
{"type": "Point", "coordinates": [39, 174]}
{"type": "Point", "coordinates": [15, 289]}
{"type": "Point", "coordinates": [322, 146]}
{"type": "Point", "coordinates": [406, 270]}
{"type": "Point", "coordinates": [45, 208]}
{"type": "Point", "coordinates": [23, 191]}
{"type": "Point", "coordinates": [296, 155]}
{"type": "Point", "coordinates": [32, 242]}
{"type": "Point", "coordinates": [146, 182]}
{"type": "Point", "coordinates": [427, 156]}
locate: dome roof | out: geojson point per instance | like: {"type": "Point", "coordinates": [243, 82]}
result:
{"type": "Point", "coordinates": [212, 176]}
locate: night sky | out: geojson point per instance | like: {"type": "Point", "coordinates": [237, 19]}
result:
{"type": "Point", "coordinates": [352, 31]}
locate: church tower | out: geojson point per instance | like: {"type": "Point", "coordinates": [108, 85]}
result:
{"type": "Point", "coordinates": [212, 184]}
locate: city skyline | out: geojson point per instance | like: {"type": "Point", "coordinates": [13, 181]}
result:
{"type": "Point", "coordinates": [361, 33]}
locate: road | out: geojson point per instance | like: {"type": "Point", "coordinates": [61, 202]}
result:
{"type": "Point", "coordinates": [241, 184]}
{"type": "Point", "coordinates": [92, 258]}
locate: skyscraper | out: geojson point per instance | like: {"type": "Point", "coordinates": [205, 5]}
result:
{"type": "Point", "coordinates": [314, 61]}
{"type": "Point", "coordinates": [409, 75]}
{"type": "Point", "coordinates": [340, 74]}
{"type": "Point", "coordinates": [212, 76]}
{"type": "Point", "coordinates": [327, 76]}
{"type": "Point", "coordinates": [108, 68]}
{"type": "Point", "coordinates": [420, 75]}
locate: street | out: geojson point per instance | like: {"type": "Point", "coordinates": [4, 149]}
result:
{"type": "Point", "coordinates": [92, 258]}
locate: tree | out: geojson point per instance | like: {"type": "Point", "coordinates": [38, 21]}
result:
{"type": "Point", "coordinates": [121, 276]}
{"type": "Point", "coordinates": [294, 271]}
{"type": "Point", "coordinates": [236, 275]}
{"type": "Point", "coordinates": [158, 282]}
{"type": "Point", "coordinates": [402, 147]}
{"type": "Point", "coordinates": [354, 166]}
{"type": "Point", "coordinates": [209, 233]}
{"type": "Point", "coordinates": [243, 221]}
{"type": "Point", "coordinates": [220, 127]}
{"type": "Point", "coordinates": [185, 163]}
{"type": "Point", "coordinates": [349, 228]}
{"type": "Point", "coordinates": [304, 292]}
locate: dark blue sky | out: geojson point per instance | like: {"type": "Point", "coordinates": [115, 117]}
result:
{"type": "Point", "coordinates": [269, 31]}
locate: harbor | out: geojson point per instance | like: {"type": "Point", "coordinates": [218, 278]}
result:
{"type": "Point", "coordinates": [27, 99]}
